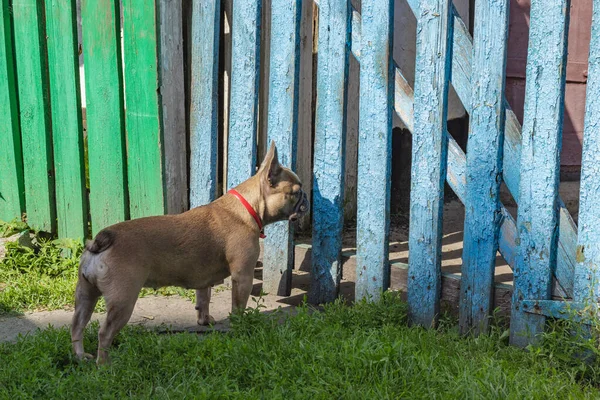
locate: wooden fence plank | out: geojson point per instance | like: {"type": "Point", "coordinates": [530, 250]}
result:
{"type": "Point", "coordinates": [12, 190]}
{"type": "Point", "coordinates": [243, 115]}
{"type": "Point", "coordinates": [34, 108]}
{"type": "Point", "coordinates": [171, 77]}
{"type": "Point", "coordinates": [587, 273]}
{"type": "Point", "coordinates": [484, 166]}
{"type": "Point", "coordinates": [462, 53]}
{"type": "Point", "coordinates": [537, 221]}
{"type": "Point", "coordinates": [283, 129]}
{"type": "Point", "coordinates": [329, 152]}
{"type": "Point", "coordinates": [204, 101]}
{"type": "Point", "coordinates": [434, 33]}
{"type": "Point", "coordinates": [104, 112]}
{"type": "Point", "coordinates": [142, 120]}
{"type": "Point", "coordinates": [67, 131]}
{"type": "Point", "coordinates": [374, 148]}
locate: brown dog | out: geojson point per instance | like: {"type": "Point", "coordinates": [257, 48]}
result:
{"type": "Point", "coordinates": [196, 249]}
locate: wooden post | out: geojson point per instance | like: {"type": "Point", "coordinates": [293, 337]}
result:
{"type": "Point", "coordinates": [67, 131]}
{"type": "Point", "coordinates": [537, 221]}
{"type": "Point", "coordinates": [34, 109]}
{"type": "Point", "coordinates": [587, 273]}
{"type": "Point", "coordinates": [243, 115]}
{"type": "Point", "coordinates": [204, 101]}
{"type": "Point", "coordinates": [329, 165]}
{"type": "Point", "coordinates": [144, 142]}
{"type": "Point", "coordinates": [484, 166]}
{"type": "Point", "coordinates": [283, 129]}
{"type": "Point", "coordinates": [12, 190]}
{"type": "Point", "coordinates": [171, 89]}
{"type": "Point", "coordinates": [104, 112]}
{"type": "Point", "coordinates": [434, 55]}
{"type": "Point", "coordinates": [374, 149]}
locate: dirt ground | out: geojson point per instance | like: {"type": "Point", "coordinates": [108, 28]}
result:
{"type": "Point", "coordinates": [178, 314]}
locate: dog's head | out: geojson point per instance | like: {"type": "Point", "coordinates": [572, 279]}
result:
{"type": "Point", "coordinates": [281, 190]}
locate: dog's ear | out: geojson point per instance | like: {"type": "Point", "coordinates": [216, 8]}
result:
{"type": "Point", "coordinates": [270, 168]}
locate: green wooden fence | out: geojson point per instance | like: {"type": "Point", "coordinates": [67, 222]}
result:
{"type": "Point", "coordinates": [42, 139]}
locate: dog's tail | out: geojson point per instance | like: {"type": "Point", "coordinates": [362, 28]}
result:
{"type": "Point", "coordinates": [103, 241]}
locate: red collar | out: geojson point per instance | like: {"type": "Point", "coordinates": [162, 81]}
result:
{"type": "Point", "coordinates": [250, 210]}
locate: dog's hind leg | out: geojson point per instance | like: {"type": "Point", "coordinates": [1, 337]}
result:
{"type": "Point", "coordinates": [202, 305]}
{"type": "Point", "coordinates": [86, 297]}
{"type": "Point", "coordinates": [118, 312]}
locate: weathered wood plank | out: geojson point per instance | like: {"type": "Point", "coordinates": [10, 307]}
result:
{"type": "Point", "coordinates": [587, 273]}
{"type": "Point", "coordinates": [462, 53]}
{"type": "Point", "coordinates": [484, 166]}
{"type": "Point", "coordinates": [34, 109]}
{"type": "Point", "coordinates": [204, 101]}
{"type": "Point", "coordinates": [12, 190]}
{"type": "Point", "coordinates": [283, 129]}
{"type": "Point", "coordinates": [104, 112]}
{"type": "Point", "coordinates": [329, 152]}
{"type": "Point", "coordinates": [434, 51]}
{"type": "Point", "coordinates": [304, 167]}
{"type": "Point", "coordinates": [243, 114]}
{"type": "Point", "coordinates": [171, 77]}
{"type": "Point", "coordinates": [142, 120]}
{"type": "Point", "coordinates": [67, 131]}
{"type": "Point", "coordinates": [374, 148]}
{"type": "Point", "coordinates": [537, 221]}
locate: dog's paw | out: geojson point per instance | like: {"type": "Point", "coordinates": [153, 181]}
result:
{"type": "Point", "coordinates": [206, 320]}
{"type": "Point", "coordinates": [84, 357]}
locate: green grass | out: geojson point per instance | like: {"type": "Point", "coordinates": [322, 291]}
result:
{"type": "Point", "coordinates": [361, 352]}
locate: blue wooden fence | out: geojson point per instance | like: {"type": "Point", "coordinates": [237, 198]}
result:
{"type": "Point", "coordinates": [555, 263]}
{"type": "Point", "coordinates": [542, 246]}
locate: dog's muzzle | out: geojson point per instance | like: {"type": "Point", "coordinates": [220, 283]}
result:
{"type": "Point", "coordinates": [301, 207]}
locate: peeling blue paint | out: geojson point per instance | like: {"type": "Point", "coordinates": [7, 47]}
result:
{"type": "Point", "coordinates": [587, 272]}
{"type": "Point", "coordinates": [374, 149]}
{"type": "Point", "coordinates": [429, 154]}
{"type": "Point", "coordinates": [484, 166]}
{"type": "Point", "coordinates": [204, 101]}
{"type": "Point", "coordinates": [329, 151]}
{"type": "Point", "coordinates": [537, 222]}
{"type": "Point", "coordinates": [278, 258]}
{"type": "Point", "coordinates": [243, 113]}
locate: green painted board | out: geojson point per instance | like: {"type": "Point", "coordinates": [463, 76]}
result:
{"type": "Point", "coordinates": [34, 111]}
{"type": "Point", "coordinates": [67, 132]}
{"type": "Point", "coordinates": [12, 191]}
{"type": "Point", "coordinates": [144, 144]}
{"type": "Point", "coordinates": [104, 112]}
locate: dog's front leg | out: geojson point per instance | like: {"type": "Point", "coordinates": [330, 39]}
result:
{"type": "Point", "coordinates": [241, 289]}
{"type": "Point", "coordinates": [202, 305]}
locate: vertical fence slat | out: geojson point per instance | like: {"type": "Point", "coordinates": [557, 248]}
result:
{"type": "Point", "coordinates": [537, 222]}
{"type": "Point", "coordinates": [243, 114]}
{"type": "Point", "coordinates": [204, 101]}
{"type": "Point", "coordinates": [67, 131]}
{"type": "Point", "coordinates": [104, 112]}
{"type": "Point", "coordinates": [484, 166]}
{"type": "Point", "coordinates": [587, 272]}
{"type": "Point", "coordinates": [330, 132]}
{"type": "Point", "coordinates": [434, 55]}
{"type": "Point", "coordinates": [283, 129]}
{"type": "Point", "coordinates": [171, 75]}
{"type": "Point", "coordinates": [12, 191]}
{"type": "Point", "coordinates": [34, 108]}
{"type": "Point", "coordinates": [142, 120]}
{"type": "Point", "coordinates": [374, 149]}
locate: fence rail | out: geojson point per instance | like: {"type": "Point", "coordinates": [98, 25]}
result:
{"type": "Point", "coordinates": [135, 143]}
